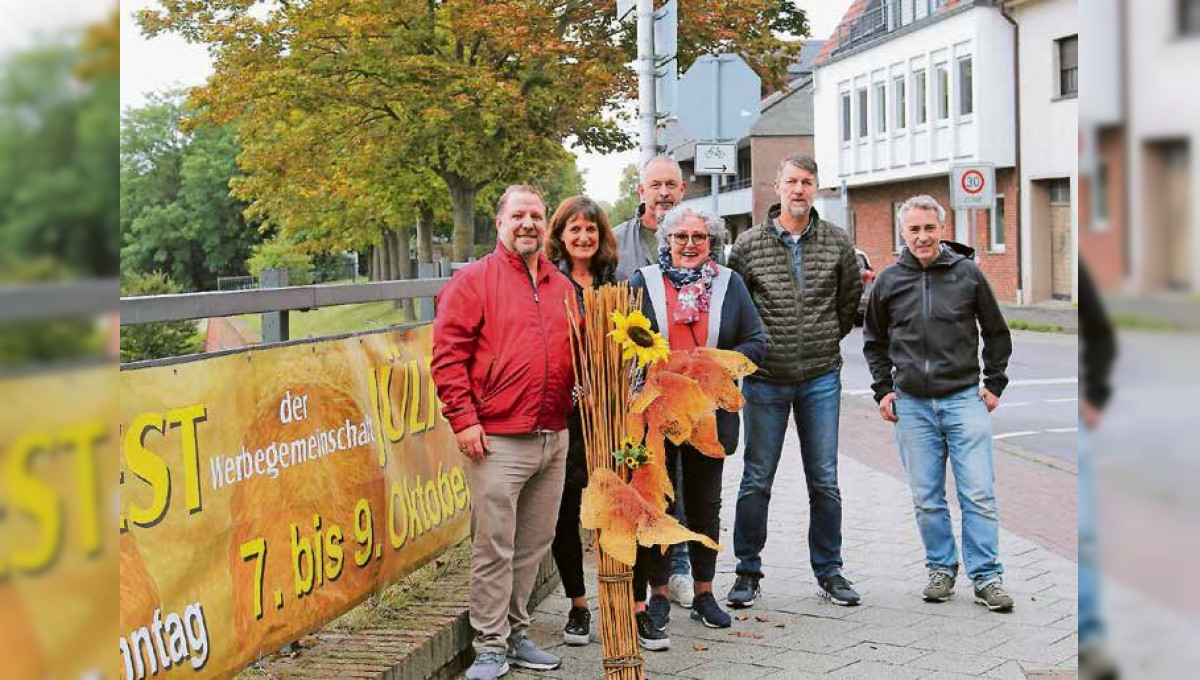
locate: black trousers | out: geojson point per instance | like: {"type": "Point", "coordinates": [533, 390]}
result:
{"type": "Point", "coordinates": [701, 490]}
{"type": "Point", "coordinates": [567, 547]}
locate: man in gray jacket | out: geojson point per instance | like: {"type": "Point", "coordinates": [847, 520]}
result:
{"type": "Point", "coordinates": [804, 278]}
{"type": "Point", "coordinates": [661, 187]}
{"type": "Point", "coordinates": [921, 336]}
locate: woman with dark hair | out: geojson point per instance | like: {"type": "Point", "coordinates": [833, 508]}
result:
{"type": "Point", "coordinates": [693, 302]}
{"type": "Point", "coordinates": [581, 243]}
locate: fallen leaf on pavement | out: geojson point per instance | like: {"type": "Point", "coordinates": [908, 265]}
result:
{"type": "Point", "coordinates": [700, 648]}
{"type": "Point", "coordinates": [746, 634]}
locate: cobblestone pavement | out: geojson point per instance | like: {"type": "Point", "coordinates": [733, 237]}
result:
{"type": "Point", "coordinates": [791, 633]}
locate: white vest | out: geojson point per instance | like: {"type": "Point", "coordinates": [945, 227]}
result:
{"type": "Point", "coordinates": [658, 300]}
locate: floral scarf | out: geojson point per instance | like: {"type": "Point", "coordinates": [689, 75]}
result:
{"type": "Point", "coordinates": [694, 286]}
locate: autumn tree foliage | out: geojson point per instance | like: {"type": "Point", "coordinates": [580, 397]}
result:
{"type": "Point", "coordinates": [356, 115]}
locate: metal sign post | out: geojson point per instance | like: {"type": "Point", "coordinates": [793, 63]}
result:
{"type": "Point", "coordinates": [719, 100]}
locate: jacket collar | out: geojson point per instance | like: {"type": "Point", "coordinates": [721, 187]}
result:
{"type": "Point", "coordinates": [776, 210]}
{"type": "Point", "coordinates": [544, 268]}
{"type": "Point", "coordinates": [951, 253]}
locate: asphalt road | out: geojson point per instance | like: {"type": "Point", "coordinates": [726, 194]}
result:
{"type": "Point", "coordinates": [1039, 410]}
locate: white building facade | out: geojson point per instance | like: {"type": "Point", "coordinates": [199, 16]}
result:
{"type": "Point", "coordinates": [905, 90]}
{"type": "Point", "coordinates": [1048, 81]}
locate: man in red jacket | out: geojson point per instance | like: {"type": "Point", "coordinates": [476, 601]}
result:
{"type": "Point", "coordinates": [502, 365]}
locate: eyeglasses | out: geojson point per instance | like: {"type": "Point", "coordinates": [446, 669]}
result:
{"type": "Point", "coordinates": [682, 239]}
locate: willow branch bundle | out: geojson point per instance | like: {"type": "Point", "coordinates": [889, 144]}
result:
{"type": "Point", "coordinates": [604, 381]}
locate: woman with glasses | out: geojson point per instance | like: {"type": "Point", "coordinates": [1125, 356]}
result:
{"type": "Point", "coordinates": [694, 302]}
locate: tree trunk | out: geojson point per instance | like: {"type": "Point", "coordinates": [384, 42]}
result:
{"type": "Point", "coordinates": [404, 266]}
{"type": "Point", "coordinates": [376, 266]}
{"type": "Point", "coordinates": [424, 233]}
{"type": "Point", "coordinates": [389, 255]}
{"type": "Point", "coordinates": [462, 198]}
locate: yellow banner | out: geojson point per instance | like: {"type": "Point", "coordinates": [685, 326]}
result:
{"type": "Point", "coordinates": [58, 542]}
{"type": "Point", "coordinates": [265, 492]}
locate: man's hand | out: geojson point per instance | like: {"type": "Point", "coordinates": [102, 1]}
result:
{"type": "Point", "coordinates": [989, 399]}
{"type": "Point", "coordinates": [472, 442]}
{"type": "Point", "coordinates": [887, 410]}
{"type": "Point", "coordinates": [1089, 413]}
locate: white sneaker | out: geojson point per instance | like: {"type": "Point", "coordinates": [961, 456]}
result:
{"type": "Point", "coordinates": [681, 589]}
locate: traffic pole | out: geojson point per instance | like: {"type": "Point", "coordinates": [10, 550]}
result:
{"type": "Point", "coordinates": [647, 107]}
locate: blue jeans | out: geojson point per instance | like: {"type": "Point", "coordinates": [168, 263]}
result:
{"type": "Point", "coordinates": [816, 406]}
{"type": "Point", "coordinates": [957, 427]}
{"type": "Point", "coordinates": [1091, 626]}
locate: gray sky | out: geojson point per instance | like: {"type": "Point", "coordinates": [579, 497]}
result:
{"type": "Point", "coordinates": [167, 61]}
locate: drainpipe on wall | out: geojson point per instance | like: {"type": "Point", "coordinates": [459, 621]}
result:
{"type": "Point", "coordinates": [1017, 134]}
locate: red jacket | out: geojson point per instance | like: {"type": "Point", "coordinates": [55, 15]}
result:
{"type": "Point", "coordinates": [501, 349]}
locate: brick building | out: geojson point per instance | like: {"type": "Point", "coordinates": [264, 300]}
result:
{"type": "Point", "coordinates": [905, 89]}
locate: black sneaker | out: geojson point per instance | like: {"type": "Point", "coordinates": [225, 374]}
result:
{"type": "Point", "coordinates": [837, 590]}
{"type": "Point", "coordinates": [578, 630]}
{"type": "Point", "coordinates": [649, 637]}
{"type": "Point", "coordinates": [706, 610]}
{"type": "Point", "coordinates": [659, 609]}
{"type": "Point", "coordinates": [745, 591]}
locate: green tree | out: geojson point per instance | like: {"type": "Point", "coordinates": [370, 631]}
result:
{"type": "Point", "coordinates": [560, 182]}
{"type": "Point", "coordinates": [628, 201]}
{"type": "Point", "coordinates": [358, 95]}
{"type": "Point", "coordinates": [58, 152]}
{"type": "Point", "coordinates": [155, 340]}
{"type": "Point", "coordinates": [278, 253]}
{"type": "Point", "coordinates": [177, 214]}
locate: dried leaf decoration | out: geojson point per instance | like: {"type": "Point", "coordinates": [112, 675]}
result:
{"type": "Point", "coordinates": [679, 399]}
{"type": "Point", "coordinates": [626, 519]}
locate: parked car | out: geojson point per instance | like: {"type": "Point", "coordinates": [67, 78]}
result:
{"type": "Point", "coordinates": [868, 279]}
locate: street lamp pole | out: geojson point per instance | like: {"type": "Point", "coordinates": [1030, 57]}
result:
{"type": "Point", "coordinates": [647, 107]}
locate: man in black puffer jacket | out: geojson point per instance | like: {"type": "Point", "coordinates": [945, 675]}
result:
{"type": "Point", "coordinates": [804, 278]}
{"type": "Point", "coordinates": [921, 340]}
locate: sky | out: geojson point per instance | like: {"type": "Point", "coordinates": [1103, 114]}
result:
{"type": "Point", "coordinates": [23, 23]}
{"type": "Point", "coordinates": [152, 65]}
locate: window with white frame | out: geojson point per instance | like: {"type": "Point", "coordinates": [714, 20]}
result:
{"type": "Point", "coordinates": [897, 228]}
{"type": "Point", "coordinates": [1068, 66]}
{"type": "Point", "coordinates": [920, 97]}
{"type": "Point", "coordinates": [942, 82]}
{"type": "Point", "coordinates": [966, 95]}
{"type": "Point", "coordinates": [847, 125]}
{"type": "Point", "coordinates": [862, 113]}
{"type": "Point", "coordinates": [880, 108]}
{"type": "Point", "coordinates": [899, 104]}
{"type": "Point", "coordinates": [996, 230]}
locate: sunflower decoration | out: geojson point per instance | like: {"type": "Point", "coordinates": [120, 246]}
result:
{"type": "Point", "coordinates": [632, 454]}
{"type": "Point", "coordinates": [633, 334]}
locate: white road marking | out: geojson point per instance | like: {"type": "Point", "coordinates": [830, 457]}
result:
{"type": "Point", "coordinates": [857, 393]}
{"type": "Point", "coordinates": [1006, 435]}
{"type": "Point", "coordinates": [1016, 404]}
{"type": "Point", "coordinates": [1060, 430]}
{"type": "Point", "coordinates": [1062, 401]}
{"type": "Point", "coordinates": [1043, 381]}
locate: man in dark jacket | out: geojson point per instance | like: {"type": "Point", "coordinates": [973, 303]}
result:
{"type": "Point", "coordinates": [921, 340]}
{"type": "Point", "coordinates": [1097, 352]}
{"type": "Point", "coordinates": [804, 279]}
{"type": "Point", "coordinates": [502, 365]}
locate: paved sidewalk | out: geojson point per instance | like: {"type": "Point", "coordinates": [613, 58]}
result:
{"type": "Point", "coordinates": [793, 634]}
{"type": "Point", "coordinates": [1051, 312]}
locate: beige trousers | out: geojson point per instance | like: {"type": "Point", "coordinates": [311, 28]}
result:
{"type": "Point", "coordinates": [515, 493]}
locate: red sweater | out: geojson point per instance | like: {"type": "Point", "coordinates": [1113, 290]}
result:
{"type": "Point", "coordinates": [502, 348]}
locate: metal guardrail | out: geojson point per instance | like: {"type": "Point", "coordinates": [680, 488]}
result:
{"type": "Point", "coordinates": [185, 306]}
{"type": "Point", "coordinates": [58, 300]}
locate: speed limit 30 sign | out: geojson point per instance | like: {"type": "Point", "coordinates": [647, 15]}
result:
{"type": "Point", "coordinates": [972, 186]}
